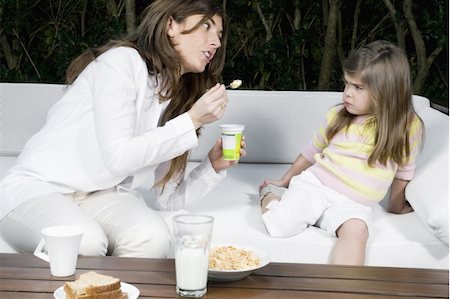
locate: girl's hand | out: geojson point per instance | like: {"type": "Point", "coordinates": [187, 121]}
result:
{"type": "Point", "coordinates": [397, 201]}
{"type": "Point", "coordinates": [402, 208]}
{"type": "Point", "coordinates": [279, 183]}
{"type": "Point", "coordinates": [210, 106]}
{"type": "Point", "coordinates": [216, 157]}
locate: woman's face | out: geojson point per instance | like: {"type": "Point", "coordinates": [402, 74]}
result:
{"type": "Point", "coordinates": [197, 48]}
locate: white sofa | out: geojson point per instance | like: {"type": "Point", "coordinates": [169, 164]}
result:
{"type": "Point", "coordinates": [278, 125]}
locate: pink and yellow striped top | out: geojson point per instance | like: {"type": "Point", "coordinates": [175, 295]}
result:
{"type": "Point", "coordinates": [341, 163]}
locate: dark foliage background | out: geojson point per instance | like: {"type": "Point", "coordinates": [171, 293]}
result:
{"type": "Point", "coordinates": [272, 44]}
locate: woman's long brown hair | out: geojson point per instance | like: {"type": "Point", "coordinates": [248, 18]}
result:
{"type": "Point", "coordinates": [384, 70]}
{"type": "Point", "coordinates": [151, 41]}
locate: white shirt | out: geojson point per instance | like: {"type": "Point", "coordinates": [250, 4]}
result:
{"type": "Point", "coordinates": [104, 133]}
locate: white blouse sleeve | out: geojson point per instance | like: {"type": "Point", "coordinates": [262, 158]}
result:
{"type": "Point", "coordinates": [118, 78]}
{"type": "Point", "coordinates": [180, 191]}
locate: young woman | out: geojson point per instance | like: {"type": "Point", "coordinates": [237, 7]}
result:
{"type": "Point", "coordinates": [131, 112]}
{"type": "Point", "coordinates": [366, 145]}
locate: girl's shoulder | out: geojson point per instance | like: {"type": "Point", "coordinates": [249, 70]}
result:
{"type": "Point", "coordinates": [333, 111]}
{"type": "Point", "coordinates": [415, 119]}
{"type": "Point", "coordinates": [415, 123]}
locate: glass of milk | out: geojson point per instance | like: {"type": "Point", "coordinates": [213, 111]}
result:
{"type": "Point", "coordinates": [192, 238]}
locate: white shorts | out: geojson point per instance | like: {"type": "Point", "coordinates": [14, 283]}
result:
{"type": "Point", "coordinates": [308, 202]}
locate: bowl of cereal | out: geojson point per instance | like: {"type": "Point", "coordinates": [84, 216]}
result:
{"type": "Point", "coordinates": [234, 262]}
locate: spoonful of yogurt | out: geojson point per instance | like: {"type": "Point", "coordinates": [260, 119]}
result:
{"type": "Point", "coordinates": [235, 84]}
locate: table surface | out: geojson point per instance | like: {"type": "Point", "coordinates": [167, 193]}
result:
{"type": "Point", "coordinates": [25, 276]}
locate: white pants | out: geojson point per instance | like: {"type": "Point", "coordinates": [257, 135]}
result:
{"type": "Point", "coordinates": [114, 223]}
{"type": "Point", "coordinates": [308, 202]}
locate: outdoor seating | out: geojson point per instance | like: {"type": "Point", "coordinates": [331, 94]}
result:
{"type": "Point", "coordinates": [278, 124]}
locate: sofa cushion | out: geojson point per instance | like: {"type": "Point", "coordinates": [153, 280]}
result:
{"type": "Point", "coordinates": [278, 124]}
{"type": "Point", "coordinates": [23, 112]}
{"type": "Point", "coordinates": [428, 191]}
{"type": "Point", "coordinates": [293, 117]}
{"type": "Point", "coordinates": [396, 240]}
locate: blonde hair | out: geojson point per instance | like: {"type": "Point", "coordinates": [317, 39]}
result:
{"type": "Point", "coordinates": [384, 71]}
{"type": "Point", "coordinates": [151, 41]}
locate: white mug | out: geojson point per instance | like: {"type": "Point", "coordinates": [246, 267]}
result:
{"type": "Point", "coordinates": [62, 244]}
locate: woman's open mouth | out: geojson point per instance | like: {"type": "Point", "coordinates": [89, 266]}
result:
{"type": "Point", "coordinates": [208, 55]}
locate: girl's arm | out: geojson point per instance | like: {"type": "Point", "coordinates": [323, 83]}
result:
{"type": "Point", "coordinates": [296, 168]}
{"type": "Point", "coordinates": [397, 200]}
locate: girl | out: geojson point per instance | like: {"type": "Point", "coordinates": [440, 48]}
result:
{"type": "Point", "coordinates": [366, 145]}
{"type": "Point", "coordinates": [131, 113]}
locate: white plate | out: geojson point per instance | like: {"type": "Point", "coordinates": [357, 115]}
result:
{"type": "Point", "coordinates": [232, 275]}
{"type": "Point", "coordinates": [130, 289]}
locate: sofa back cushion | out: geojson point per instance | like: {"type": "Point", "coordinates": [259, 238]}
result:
{"type": "Point", "coordinates": [23, 110]}
{"type": "Point", "coordinates": [278, 124]}
{"type": "Point", "coordinates": [428, 190]}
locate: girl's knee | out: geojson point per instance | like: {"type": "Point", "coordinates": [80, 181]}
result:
{"type": "Point", "coordinates": [353, 228]}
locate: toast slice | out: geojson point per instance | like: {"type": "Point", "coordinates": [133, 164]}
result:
{"type": "Point", "coordinates": [91, 285]}
{"type": "Point", "coordinates": [116, 294]}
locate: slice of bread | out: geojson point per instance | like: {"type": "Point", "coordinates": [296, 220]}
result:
{"type": "Point", "coordinates": [116, 294]}
{"type": "Point", "coordinates": [91, 285]}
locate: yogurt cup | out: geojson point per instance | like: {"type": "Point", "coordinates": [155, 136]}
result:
{"type": "Point", "coordinates": [231, 141]}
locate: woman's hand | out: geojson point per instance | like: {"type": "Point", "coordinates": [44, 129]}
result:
{"type": "Point", "coordinates": [210, 106]}
{"type": "Point", "coordinates": [216, 157]}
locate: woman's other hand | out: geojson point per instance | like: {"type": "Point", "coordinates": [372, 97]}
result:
{"type": "Point", "coordinates": [210, 106]}
{"type": "Point", "coordinates": [216, 157]}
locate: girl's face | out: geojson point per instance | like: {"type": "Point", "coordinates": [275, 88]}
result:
{"type": "Point", "coordinates": [356, 96]}
{"type": "Point", "coordinates": [197, 48]}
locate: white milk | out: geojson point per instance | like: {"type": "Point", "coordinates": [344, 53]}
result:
{"type": "Point", "coordinates": [191, 268]}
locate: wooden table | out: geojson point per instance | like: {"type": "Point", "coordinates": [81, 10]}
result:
{"type": "Point", "coordinates": [25, 276]}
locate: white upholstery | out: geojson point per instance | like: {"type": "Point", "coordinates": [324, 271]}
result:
{"type": "Point", "coordinates": [278, 125]}
{"type": "Point", "coordinates": [398, 240]}
{"type": "Point", "coordinates": [23, 111]}
{"type": "Point", "coordinates": [431, 203]}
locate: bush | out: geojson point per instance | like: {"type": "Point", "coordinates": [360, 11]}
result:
{"type": "Point", "coordinates": [39, 39]}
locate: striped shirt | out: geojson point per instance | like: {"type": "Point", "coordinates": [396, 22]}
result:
{"type": "Point", "coordinates": [341, 163]}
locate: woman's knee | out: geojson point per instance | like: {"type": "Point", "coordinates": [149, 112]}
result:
{"type": "Point", "coordinates": [94, 242]}
{"type": "Point", "coordinates": [150, 240]}
{"type": "Point", "coordinates": [157, 244]}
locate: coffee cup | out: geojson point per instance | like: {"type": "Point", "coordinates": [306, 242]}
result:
{"type": "Point", "coordinates": [61, 244]}
{"type": "Point", "coordinates": [231, 141]}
